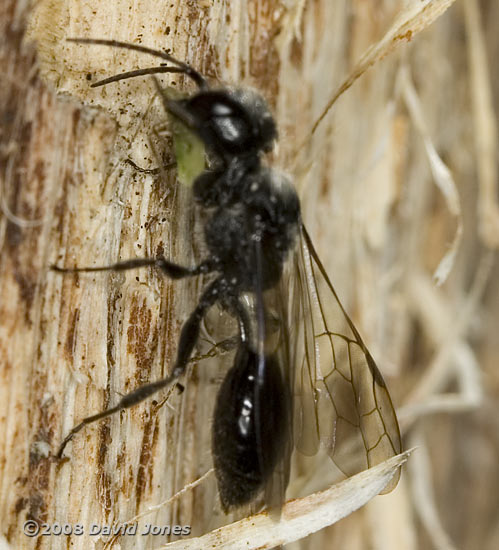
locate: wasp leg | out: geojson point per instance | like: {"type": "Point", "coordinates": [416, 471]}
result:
{"type": "Point", "coordinates": [188, 338]}
{"type": "Point", "coordinates": [170, 269]}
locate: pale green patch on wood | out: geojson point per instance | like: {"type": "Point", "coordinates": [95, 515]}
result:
{"type": "Point", "coordinates": [189, 149]}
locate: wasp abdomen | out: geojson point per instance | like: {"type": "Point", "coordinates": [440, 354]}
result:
{"type": "Point", "coordinates": [250, 427]}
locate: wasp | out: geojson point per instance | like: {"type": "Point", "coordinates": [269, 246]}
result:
{"type": "Point", "coordinates": [301, 374]}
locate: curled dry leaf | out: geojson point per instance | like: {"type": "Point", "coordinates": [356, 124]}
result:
{"type": "Point", "coordinates": [414, 18]}
{"type": "Point", "coordinates": [300, 517]}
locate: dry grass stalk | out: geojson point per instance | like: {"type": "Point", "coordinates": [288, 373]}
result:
{"type": "Point", "coordinates": [367, 177]}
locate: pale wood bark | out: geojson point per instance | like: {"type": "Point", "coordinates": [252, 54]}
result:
{"type": "Point", "coordinates": [70, 345]}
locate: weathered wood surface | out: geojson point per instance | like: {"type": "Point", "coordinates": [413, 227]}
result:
{"type": "Point", "coordinates": [69, 346]}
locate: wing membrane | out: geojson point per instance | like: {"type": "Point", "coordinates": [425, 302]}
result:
{"type": "Point", "coordinates": [272, 344]}
{"type": "Point", "coordinates": [342, 400]}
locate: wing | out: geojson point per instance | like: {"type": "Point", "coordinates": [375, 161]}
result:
{"type": "Point", "coordinates": [341, 401]}
{"type": "Point", "coordinates": [278, 340]}
{"type": "Point", "coordinates": [272, 345]}
{"type": "Point", "coordinates": [252, 426]}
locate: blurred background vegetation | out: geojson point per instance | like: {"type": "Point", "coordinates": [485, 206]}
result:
{"type": "Point", "coordinates": [399, 190]}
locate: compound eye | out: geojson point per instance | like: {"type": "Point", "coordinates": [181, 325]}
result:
{"type": "Point", "coordinates": [221, 109]}
{"type": "Point", "coordinates": [230, 128]}
{"type": "Point", "coordinates": [229, 124]}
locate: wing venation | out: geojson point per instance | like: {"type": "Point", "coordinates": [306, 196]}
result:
{"type": "Point", "coordinates": [341, 399]}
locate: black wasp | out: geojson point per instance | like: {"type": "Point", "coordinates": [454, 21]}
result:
{"type": "Point", "coordinates": [302, 375]}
